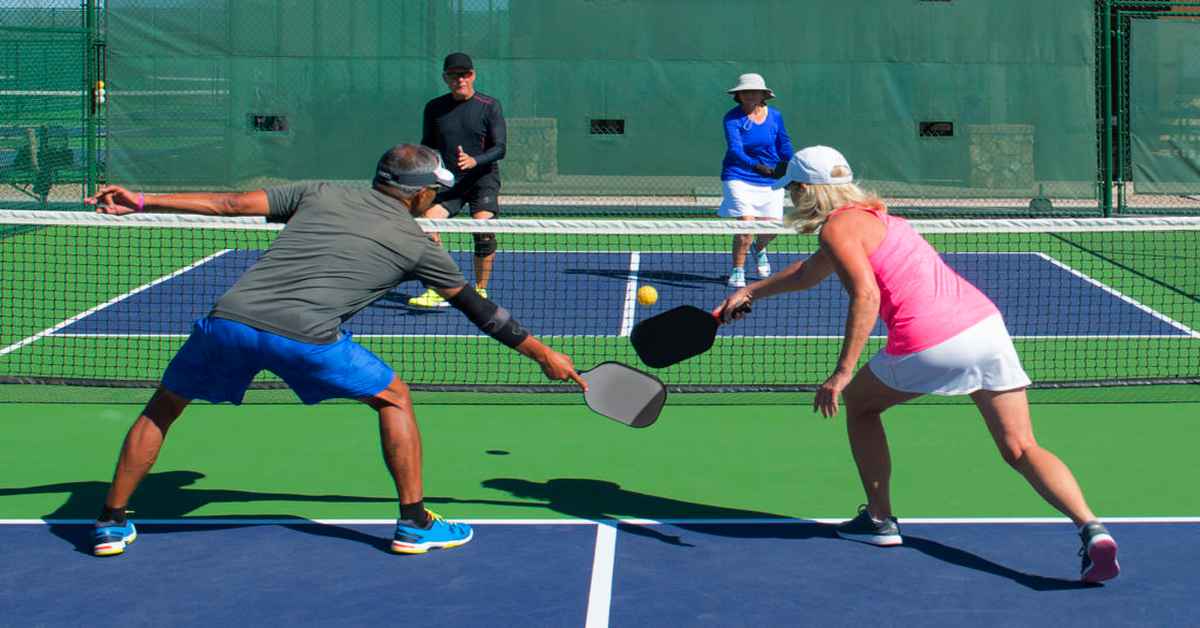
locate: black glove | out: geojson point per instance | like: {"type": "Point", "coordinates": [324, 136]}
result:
{"type": "Point", "coordinates": [764, 170]}
{"type": "Point", "coordinates": [780, 170]}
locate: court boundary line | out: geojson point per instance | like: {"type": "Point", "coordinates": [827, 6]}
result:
{"type": "Point", "coordinates": [1118, 294]}
{"type": "Point", "coordinates": [628, 308]}
{"type": "Point", "coordinates": [223, 521]}
{"type": "Point", "coordinates": [600, 589]}
{"type": "Point", "coordinates": [113, 301]}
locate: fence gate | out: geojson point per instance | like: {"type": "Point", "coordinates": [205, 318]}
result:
{"type": "Point", "coordinates": [1156, 149]}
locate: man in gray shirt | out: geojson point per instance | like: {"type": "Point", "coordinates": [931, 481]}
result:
{"type": "Point", "coordinates": [342, 249]}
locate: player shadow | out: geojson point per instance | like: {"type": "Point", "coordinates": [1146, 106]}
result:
{"type": "Point", "coordinates": [166, 496]}
{"type": "Point", "coordinates": [660, 277]}
{"type": "Point", "coordinates": [967, 560]}
{"type": "Point", "coordinates": [396, 300]}
{"type": "Point", "coordinates": [599, 500]}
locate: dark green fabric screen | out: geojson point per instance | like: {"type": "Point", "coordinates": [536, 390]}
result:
{"type": "Point", "coordinates": [1016, 79]}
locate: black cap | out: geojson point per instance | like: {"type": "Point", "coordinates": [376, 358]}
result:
{"type": "Point", "coordinates": [457, 60]}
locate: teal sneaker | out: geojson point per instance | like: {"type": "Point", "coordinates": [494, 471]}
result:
{"type": "Point", "coordinates": [762, 265]}
{"type": "Point", "coordinates": [1099, 553]}
{"type": "Point", "coordinates": [109, 538]}
{"type": "Point", "coordinates": [866, 529]}
{"type": "Point", "coordinates": [737, 278]}
{"type": "Point", "coordinates": [440, 534]}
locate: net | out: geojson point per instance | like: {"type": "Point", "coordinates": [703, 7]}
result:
{"type": "Point", "coordinates": [98, 300]}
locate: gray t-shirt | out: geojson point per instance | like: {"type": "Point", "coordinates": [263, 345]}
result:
{"type": "Point", "coordinates": [342, 249]}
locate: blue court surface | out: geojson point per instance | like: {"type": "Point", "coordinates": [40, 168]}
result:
{"type": "Point", "coordinates": [580, 573]}
{"type": "Point", "coordinates": [591, 294]}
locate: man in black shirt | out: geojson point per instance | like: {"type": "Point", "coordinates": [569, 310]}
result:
{"type": "Point", "coordinates": [467, 128]}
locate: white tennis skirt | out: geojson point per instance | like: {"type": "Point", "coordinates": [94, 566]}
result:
{"type": "Point", "coordinates": [981, 357]}
{"type": "Point", "coordinates": [746, 199]}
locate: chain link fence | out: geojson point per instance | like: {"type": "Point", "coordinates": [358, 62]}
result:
{"type": "Point", "coordinates": [44, 103]}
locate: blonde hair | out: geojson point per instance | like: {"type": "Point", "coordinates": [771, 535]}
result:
{"type": "Point", "coordinates": [816, 201]}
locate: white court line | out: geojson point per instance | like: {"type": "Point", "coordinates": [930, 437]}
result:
{"type": "Point", "coordinates": [1113, 291]}
{"type": "Point", "coordinates": [112, 301]}
{"type": "Point", "coordinates": [600, 591]}
{"type": "Point", "coordinates": [764, 337]}
{"type": "Point", "coordinates": [630, 305]}
{"type": "Point", "coordinates": [606, 523]}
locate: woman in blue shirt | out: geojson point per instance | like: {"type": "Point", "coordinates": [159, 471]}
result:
{"type": "Point", "coordinates": [756, 142]}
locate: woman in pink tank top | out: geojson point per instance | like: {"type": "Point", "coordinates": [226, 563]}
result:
{"type": "Point", "coordinates": [945, 337]}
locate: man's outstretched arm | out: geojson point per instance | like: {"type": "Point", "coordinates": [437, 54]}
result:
{"type": "Point", "coordinates": [116, 200]}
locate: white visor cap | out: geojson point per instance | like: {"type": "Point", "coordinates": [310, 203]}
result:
{"type": "Point", "coordinates": [815, 164]}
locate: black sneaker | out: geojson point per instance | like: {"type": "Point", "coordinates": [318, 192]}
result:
{"type": "Point", "coordinates": [865, 529]}
{"type": "Point", "coordinates": [1099, 553]}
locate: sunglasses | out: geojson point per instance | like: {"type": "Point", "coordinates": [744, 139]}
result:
{"type": "Point", "coordinates": [454, 76]}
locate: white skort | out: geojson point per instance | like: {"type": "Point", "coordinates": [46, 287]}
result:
{"type": "Point", "coordinates": [746, 199]}
{"type": "Point", "coordinates": [981, 357]}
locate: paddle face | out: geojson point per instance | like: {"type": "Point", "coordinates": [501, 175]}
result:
{"type": "Point", "coordinates": [624, 394]}
{"type": "Point", "coordinates": [674, 336]}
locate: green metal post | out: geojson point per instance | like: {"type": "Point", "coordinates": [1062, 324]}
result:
{"type": "Point", "coordinates": [89, 105]}
{"type": "Point", "coordinates": [1106, 111]}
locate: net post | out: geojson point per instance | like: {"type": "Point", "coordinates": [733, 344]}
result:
{"type": "Point", "coordinates": [90, 78]}
{"type": "Point", "coordinates": [1106, 107]}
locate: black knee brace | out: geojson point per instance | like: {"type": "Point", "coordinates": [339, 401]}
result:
{"type": "Point", "coordinates": [485, 244]}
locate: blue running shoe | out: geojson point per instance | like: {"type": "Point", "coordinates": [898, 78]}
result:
{"type": "Point", "coordinates": [1099, 553]}
{"type": "Point", "coordinates": [440, 534]}
{"type": "Point", "coordinates": [866, 529]}
{"type": "Point", "coordinates": [110, 538]}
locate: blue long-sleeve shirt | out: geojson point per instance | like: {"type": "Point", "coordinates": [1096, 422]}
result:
{"type": "Point", "coordinates": [749, 143]}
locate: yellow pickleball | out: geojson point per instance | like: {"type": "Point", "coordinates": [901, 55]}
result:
{"type": "Point", "coordinates": [647, 295]}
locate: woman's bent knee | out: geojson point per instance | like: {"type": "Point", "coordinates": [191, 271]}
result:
{"type": "Point", "coordinates": [1014, 452]}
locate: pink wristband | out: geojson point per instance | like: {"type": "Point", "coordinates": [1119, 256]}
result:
{"type": "Point", "coordinates": [141, 201]}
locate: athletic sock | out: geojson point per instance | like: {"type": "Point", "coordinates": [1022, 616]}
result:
{"type": "Point", "coordinates": [115, 515]}
{"type": "Point", "coordinates": [416, 513]}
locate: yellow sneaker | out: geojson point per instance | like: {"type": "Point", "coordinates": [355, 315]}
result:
{"type": "Point", "coordinates": [482, 291]}
{"type": "Point", "coordinates": [429, 299]}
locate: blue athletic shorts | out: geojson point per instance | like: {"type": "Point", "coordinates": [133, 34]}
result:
{"type": "Point", "coordinates": [221, 357]}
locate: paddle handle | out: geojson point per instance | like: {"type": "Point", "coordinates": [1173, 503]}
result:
{"type": "Point", "coordinates": [740, 310]}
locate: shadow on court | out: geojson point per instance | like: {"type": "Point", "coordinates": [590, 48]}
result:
{"type": "Point", "coordinates": [166, 496]}
{"type": "Point", "coordinates": [660, 277]}
{"type": "Point", "coordinates": [599, 499]}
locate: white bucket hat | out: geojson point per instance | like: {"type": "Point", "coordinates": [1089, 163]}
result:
{"type": "Point", "coordinates": [751, 82]}
{"type": "Point", "coordinates": [815, 164]}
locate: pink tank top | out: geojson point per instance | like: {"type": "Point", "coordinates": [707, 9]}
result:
{"type": "Point", "coordinates": [923, 302]}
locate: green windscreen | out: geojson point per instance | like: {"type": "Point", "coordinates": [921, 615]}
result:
{"type": "Point", "coordinates": [1164, 84]}
{"type": "Point", "coordinates": [933, 100]}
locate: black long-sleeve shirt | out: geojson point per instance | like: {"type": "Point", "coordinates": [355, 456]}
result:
{"type": "Point", "coordinates": [476, 124]}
